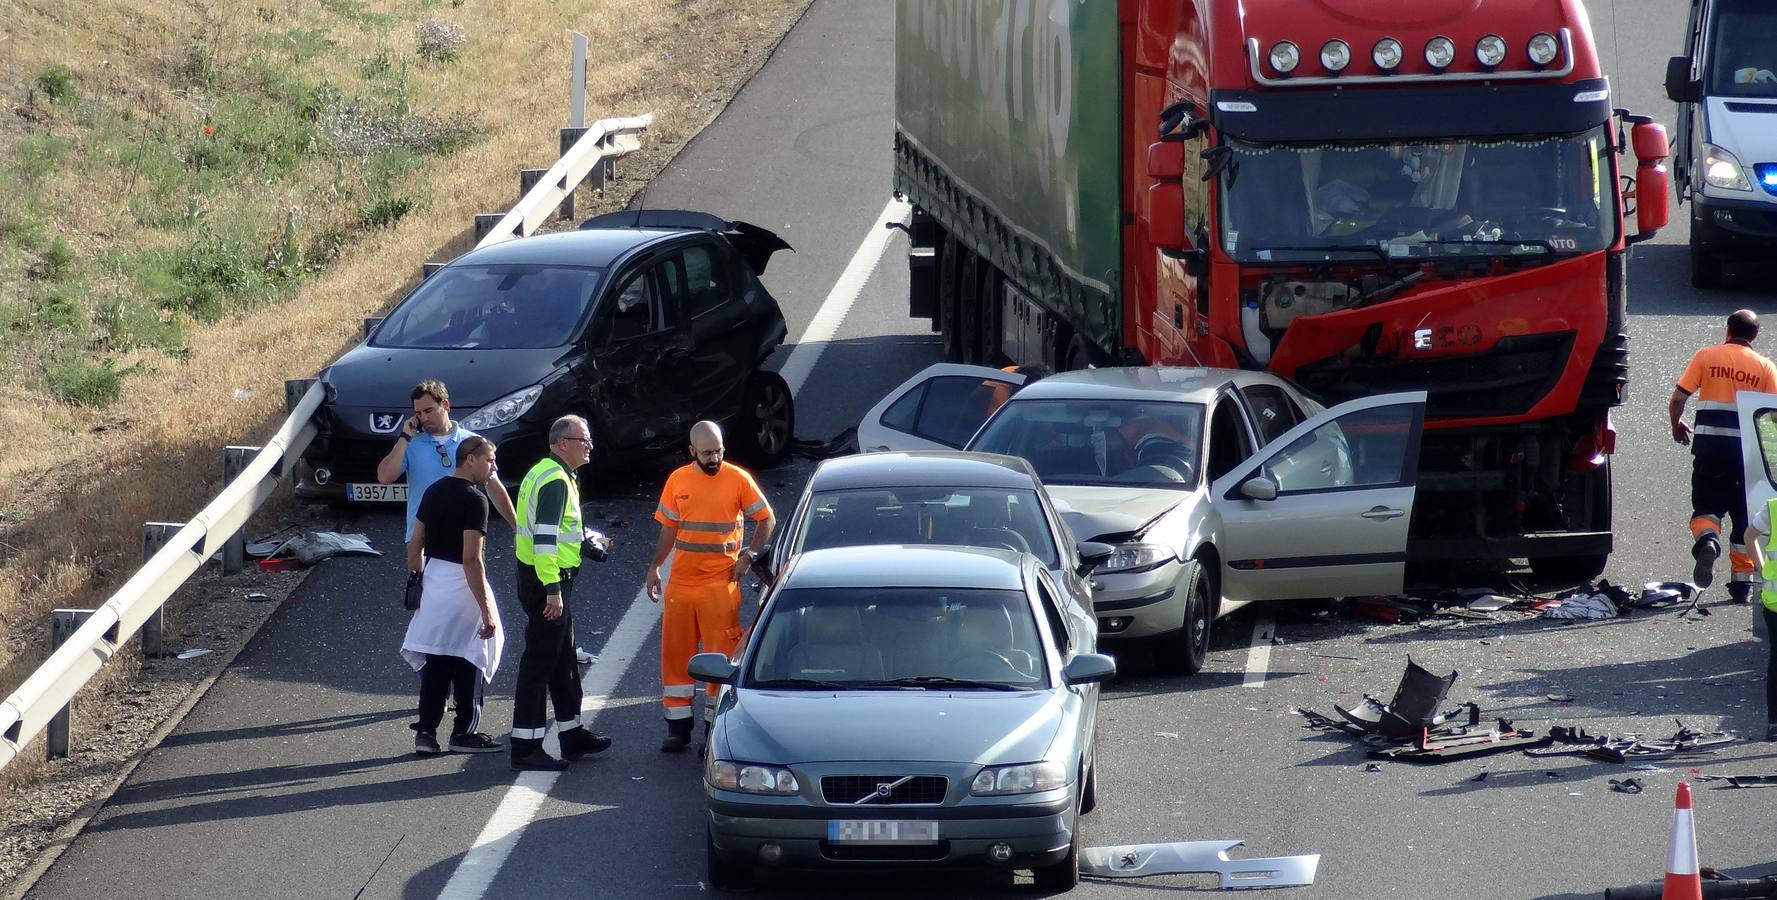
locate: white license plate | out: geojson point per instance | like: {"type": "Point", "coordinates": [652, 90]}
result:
{"type": "Point", "coordinates": [377, 493]}
{"type": "Point", "coordinates": [881, 831]}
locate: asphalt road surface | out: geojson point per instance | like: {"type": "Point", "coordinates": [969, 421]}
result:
{"type": "Point", "coordinates": [295, 777]}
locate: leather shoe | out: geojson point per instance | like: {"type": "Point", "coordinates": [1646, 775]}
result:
{"type": "Point", "coordinates": [538, 760]}
{"type": "Point", "coordinates": [578, 742]}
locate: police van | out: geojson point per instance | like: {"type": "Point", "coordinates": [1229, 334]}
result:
{"type": "Point", "coordinates": [1726, 144]}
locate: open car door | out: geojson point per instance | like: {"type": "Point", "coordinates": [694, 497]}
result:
{"type": "Point", "coordinates": [938, 409]}
{"type": "Point", "coordinates": [1758, 446]}
{"type": "Point", "coordinates": [1323, 510]}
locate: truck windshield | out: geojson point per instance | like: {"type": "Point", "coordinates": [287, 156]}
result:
{"type": "Point", "coordinates": [1526, 196]}
{"type": "Point", "coordinates": [1743, 55]}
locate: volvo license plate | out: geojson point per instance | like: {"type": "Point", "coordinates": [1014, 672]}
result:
{"type": "Point", "coordinates": [882, 831]}
{"type": "Point", "coordinates": [376, 493]}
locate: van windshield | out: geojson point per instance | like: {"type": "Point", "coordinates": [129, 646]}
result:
{"type": "Point", "coordinates": [1743, 49]}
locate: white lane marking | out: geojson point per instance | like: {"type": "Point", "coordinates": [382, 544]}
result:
{"type": "Point", "coordinates": [476, 873]}
{"type": "Point", "coordinates": [1258, 658]}
{"type": "Point", "coordinates": [844, 294]}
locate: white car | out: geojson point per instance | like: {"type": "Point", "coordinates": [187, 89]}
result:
{"type": "Point", "coordinates": [1219, 487]}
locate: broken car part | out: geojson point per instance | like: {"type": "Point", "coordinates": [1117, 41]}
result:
{"type": "Point", "coordinates": [1413, 709]}
{"type": "Point", "coordinates": [1741, 781]}
{"type": "Point", "coordinates": [1199, 858]}
{"type": "Point", "coordinates": [1576, 742]}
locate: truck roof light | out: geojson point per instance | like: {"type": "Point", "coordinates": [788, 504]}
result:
{"type": "Point", "coordinates": [1490, 51]}
{"type": "Point", "coordinates": [1440, 52]}
{"type": "Point", "coordinates": [1285, 57]}
{"type": "Point", "coordinates": [1335, 55]}
{"type": "Point", "coordinates": [1387, 54]}
{"type": "Point", "coordinates": [1543, 49]}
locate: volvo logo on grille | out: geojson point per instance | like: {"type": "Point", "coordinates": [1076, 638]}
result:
{"type": "Point", "coordinates": [884, 789]}
{"type": "Point", "coordinates": [383, 423]}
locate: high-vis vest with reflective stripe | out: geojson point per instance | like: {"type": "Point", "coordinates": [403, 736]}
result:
{"type": "Point", "coordinates": [1766, 594]}
{"type": "Point", "coordinates": [548, 546]}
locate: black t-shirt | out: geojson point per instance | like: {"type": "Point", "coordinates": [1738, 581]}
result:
{"type": "Point", "coordinates": [450, 507]}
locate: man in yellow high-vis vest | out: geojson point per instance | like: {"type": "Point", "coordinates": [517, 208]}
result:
{"type": "Point", "coordinates": [1756, 530]}
{"type": "Point", "coordinates": [548, 537]}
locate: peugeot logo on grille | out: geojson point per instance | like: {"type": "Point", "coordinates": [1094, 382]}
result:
{"type": "Point", "coordinates": [383, 423]}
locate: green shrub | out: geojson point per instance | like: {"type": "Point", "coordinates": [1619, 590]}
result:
{"type": "Point", "coordinates": [376, 65]}
{"type": "Point", "coordinates": [385, 210]}
{"type": "Point", "coordinates": [38, 155]}
{"type": "Point", "coordinates": [302, 44]}
{"type": "Point", "coordinates": [56, 83]}
{"type": "Point", "coordinates": [129, 323]}
{"type": "Point", "coordinates": [272, 139]}
{"type": "Point", "coordinates": [59, 307]}
{"type": "Point", "coordinates": [84, 383]}
{"type": "Point", "coordinates": [55, 261]}
{"type": "Point", "coordinates": [21, 229]}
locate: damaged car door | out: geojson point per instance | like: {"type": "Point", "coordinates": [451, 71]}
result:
{"type": "Point", "coordinates": [1323, 511]}
{"type": "Point", "coordinates": [640, 352]}
{"type": "Point", "coordinates": [1758, 446]}
{"type": "Point", "coordinates": [938, 409]}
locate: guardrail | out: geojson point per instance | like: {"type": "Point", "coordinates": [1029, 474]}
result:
{"type": "Point", "coordinates": [41, 703]}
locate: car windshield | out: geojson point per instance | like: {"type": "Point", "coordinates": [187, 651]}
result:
{"type": "Point", "coordinates": [1142, 443]}
{"type": "Point", "coordinates": [1526, 197]}
{"type": "Point", "coordinates": [889, 638]}
{"type": "Point", "coordinates": [963, 516]}
{"type": "Point", "coordinates": [491, 308]}
{"type": "Point", "coordinates": [1743, 58]}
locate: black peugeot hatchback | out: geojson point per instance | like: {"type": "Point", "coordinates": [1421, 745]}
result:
{"type": "Point", "coordinates": [643, 322]}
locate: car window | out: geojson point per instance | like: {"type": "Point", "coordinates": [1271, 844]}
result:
{"type": "Point", "coordinates": [707, 281]}
{"type": "Point", "coordinates": [1121, 442]}
{"type": "Point", "coordinates": [1229, 445]}
{"type": "Point", "coordinates": [947, 409]}
{"type": "Point", "coordinates": [865, 636]}
{"type": "Point", "coordinates": [1273, 411]}
{"type": "Point", "coordinates": [1366, 448]}
{"type": "Point", "coordinates": [1743, 63]}
{"type": "Point", "coordinates": [961, 516]}
{"type": "Point", "coordinates": [1766, 425]}
{"type": "Point", "coordinates": [637, 308]}
{"type": "Point", "coordinates": [491, 308]}
{"type": "Point", "coordinates": [1052, 610]}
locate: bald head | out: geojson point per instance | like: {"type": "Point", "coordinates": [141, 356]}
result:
{"type": "Point", "coordinates": [706, 446]}
{"type": "Point", "coordinates": [1743, 325]}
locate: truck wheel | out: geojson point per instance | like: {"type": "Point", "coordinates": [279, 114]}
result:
{"type": "Point", "coordinates": [1705, 269]}
{"type": "Point", "coordinates": [1183, 652]}
{"type": "Point", "coordinates": [1569, 569]}
{"type": "Point", "coordinates": [766, 426]}
{"type": "Point", "coordinates": [949, 321]}
{"type": "Point", "coordinates": [1079, 354]}
{"type": "Point", "coordinates": [725, 875]}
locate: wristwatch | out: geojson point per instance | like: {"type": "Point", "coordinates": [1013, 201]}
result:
{"type": "Point", "coordinates": [752, 555]}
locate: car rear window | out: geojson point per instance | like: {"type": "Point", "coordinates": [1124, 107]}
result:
{"type": "Point", "coordinates": [506, 307]}
{"type": "Point", "coordinates": [961, 516]}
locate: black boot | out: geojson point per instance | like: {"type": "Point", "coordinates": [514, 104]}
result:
{"type": "Point", "coordinates": [1740, 591]}
{"type": "Point", "coordinates": [678, 736]}
{"type": "Point", "coordinates": [578, 742]}
{"type": "Point", "coordinates": [529, 756]}
{"type": "Point", "coordinates": [1705, 552]}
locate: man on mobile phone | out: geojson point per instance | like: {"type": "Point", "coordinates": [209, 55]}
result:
{"type": "Point", "coordinates": [426, 451]}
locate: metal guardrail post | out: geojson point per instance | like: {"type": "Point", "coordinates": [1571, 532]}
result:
{"type": "Point", "coordinates": [62, 624]}
{"type": "Point", "coordinates": [484, 224]}
{"type": "Point", "coordinates": [294, 389]}
{"type": "Point", "coordinates": [155, 536]}
{"type": "Point", "coordinates": [569, 137]}
{"type": "Point", "coordinates": [234, 550]}
{"type": "Point", "coordinates": [426, 269]}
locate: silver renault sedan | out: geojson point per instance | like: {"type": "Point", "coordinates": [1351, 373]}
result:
{"type": "Point", "coordinates": [905, 707]}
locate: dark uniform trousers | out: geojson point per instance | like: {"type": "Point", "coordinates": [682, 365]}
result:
{"type": "Point", "coordinates": [547, 670]}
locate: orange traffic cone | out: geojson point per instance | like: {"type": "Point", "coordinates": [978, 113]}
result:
{"type": "Point", "coordinates": [1682, 880]}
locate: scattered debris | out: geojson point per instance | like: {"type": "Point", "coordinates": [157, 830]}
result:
{"type": "Point", "coordinates": [1372, 767]}
{"type": "Point", "coordinates": [1609, 748]}
{"type": "Point", "coordinates": [193, 653]}
{"type": "Point", "coordinates": [1626, 785]}
{"type": "Point", "coordinates": [312, 547]}
{"type": "Point", "coordinates": [1581, 605]}
{"type": "Point", "coordinates": [1199, 858]}
{"type": "Point", "coordinates": [1561, 698]}
{"type": "Point", "coordinates": [1742, 781]}
{"type": "Point", "coordinates": [1413, 719]}
{"type": "Point", "coordinates": [1480, 777]}
{"type": "Point", "coordinates": [1492, 603]}
{"type": "Point", "coordinates": [257, 597]}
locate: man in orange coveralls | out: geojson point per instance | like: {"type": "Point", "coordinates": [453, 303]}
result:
{"type": "Point", "coordinates": [700, 516]}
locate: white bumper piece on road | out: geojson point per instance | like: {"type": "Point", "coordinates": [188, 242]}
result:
{"type": "Point", "coordinates": [1198, 858]}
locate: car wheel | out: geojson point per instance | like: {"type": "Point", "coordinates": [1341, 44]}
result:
{"type": "Point", "coordinates": [1064, 875]}
{"type": "Point", "coordinates": [725, 875]}
{"type": "Point", "coordinates": [1183, 652]}
{"type": "Point", "coordinates": [1089, 791]}
{"type": "Point", "coordinates": [1569, 569]}
{"type": "Point", "coordinates": [1705, 269]}
{"type": "Point", "coordinates": [767, 425]}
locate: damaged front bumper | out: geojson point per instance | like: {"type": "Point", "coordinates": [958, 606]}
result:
{"type": "Point", "coordinates": [1199, 858]}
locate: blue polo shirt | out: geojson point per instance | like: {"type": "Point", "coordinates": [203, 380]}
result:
{"type": "Point", "coordinates": [428, 459]}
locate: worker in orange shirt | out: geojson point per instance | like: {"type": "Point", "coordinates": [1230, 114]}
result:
{"type": "Point", "coordinates": [1718, 483]}
{"type": "Point", "coordinates": [700, 515]}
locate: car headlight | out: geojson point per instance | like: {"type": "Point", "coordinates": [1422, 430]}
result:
{"type": "Point", "coordinates": [748, 778]}
{"type": "Point", "coordinates": [1022, 779]}
{"type": "Point", "coordinates": [505, 410]}
{"type": "Point", "coordinates": [1136, 558]}
{"type": "Point", "coordinates": [1722, 170]}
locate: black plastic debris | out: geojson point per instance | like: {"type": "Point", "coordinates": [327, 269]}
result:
{"type": "Point", "coordinates": [1742, 781]}
{"type": "Point", "coordinates": [1413, 724]}
{"type": "Point", "coordinates": [1413, 709]}
{"type": "Point", "coordinates": [1610, 748]}
{"type": "Point", "coordinates": [1626, 785]}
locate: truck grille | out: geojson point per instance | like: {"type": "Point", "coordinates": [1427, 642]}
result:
{"type": "Point", "coordinates": [1506, 381]}
{"type": "Point", "coordinates": [920, 789]}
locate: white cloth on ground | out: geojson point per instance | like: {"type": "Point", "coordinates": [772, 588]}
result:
{"type": "Point", "coordinates": [449, 621]}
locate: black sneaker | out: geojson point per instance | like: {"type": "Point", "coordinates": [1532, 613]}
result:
{"type": "Point", "coordinates": [1705, 553]}
{"type": "Point", "coordinates": [1740, 592]}
{"type": "Point", "coordinates": [578, 742]}
{"type": "Point", "coordinates": [675, 743]}
{"type": "Point", "coordinates": [538, 760]}
{"type": "Point", "coordinates": [425, 743]}
{"type": "Point", "coordinates": [474, 743]}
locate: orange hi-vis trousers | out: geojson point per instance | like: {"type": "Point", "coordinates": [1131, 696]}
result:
{"type": "Point", "coordinates": [707, 614]}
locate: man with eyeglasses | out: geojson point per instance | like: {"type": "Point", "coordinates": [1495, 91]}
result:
{"type": "Point", "coordinates": [548, 537]}
{"type": "Point", "coordinates": [426, 451]}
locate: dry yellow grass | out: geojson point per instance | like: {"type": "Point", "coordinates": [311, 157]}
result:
{"type": "Point", "coordinates": [76, 484]}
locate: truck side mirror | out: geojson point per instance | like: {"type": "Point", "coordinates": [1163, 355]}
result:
{"type": "Point", "coordinates": [1679, 86]}
{"type": "Point", "coordinates": [1166, 199]}
{"type": "Point", "coordinates": [1179, 122]}
{"type": "Point", "coordinates": [1652, 183]}
{"type": "Point", "coordinates": [1166, 161]}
